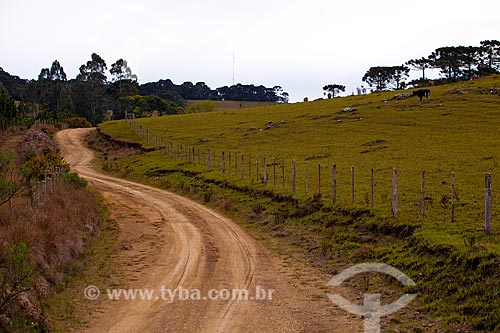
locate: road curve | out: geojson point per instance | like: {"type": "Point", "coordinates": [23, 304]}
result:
{"type": "Point", "coordinates": [171, 242]}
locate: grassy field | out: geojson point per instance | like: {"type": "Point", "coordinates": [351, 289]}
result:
{"type": "Point", "coordinates": [456, 131]}
{"type": "Point", "coordinates": [230, 105]}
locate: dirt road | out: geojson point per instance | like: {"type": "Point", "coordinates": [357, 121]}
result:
{"type": "Point", "coordinates": [170, 242]}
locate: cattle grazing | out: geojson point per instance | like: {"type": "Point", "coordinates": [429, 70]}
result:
{"type": "Point", "coordinates": [422, 93]}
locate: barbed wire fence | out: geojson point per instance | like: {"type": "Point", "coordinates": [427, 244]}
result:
{"type": "Point", "coordinates": [417, 193]}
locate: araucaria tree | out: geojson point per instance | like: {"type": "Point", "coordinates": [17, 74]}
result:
{"type": "Point", "coordinates": [333, 89]}
{"type": "Point", "coordinates": [384, 77]}
{"type": "Point", "coordinates": [419, 64]}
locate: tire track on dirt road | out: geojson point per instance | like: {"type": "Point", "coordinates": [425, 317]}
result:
{"type": "Point", "coordinates": [173, 242]}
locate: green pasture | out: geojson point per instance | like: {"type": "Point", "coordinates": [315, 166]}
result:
{"type": "Point", "coordinates": [456, 131]}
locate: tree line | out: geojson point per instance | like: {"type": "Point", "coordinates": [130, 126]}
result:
{"type": "Point", "coordinates": [92, 94]}
{"type": "Point", "coordinates": [166, 89]}
{"type": "Point", "coordinates": [455, 63]}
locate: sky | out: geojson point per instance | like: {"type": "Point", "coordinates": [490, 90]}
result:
{"type": "Point", "coordinates": [299, 45]}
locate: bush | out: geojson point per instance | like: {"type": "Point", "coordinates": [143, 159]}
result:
{"type": "Point", "coordinates": [75, 180]}
{"type": "Point", "coordinates": [37, 246]}
{"type": "Point", "coordinates": [77, 122]}
{"type": "Point", "coordinates": [203, 106]}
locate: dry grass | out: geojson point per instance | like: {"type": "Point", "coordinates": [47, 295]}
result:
{"type": "Point", "coordinates": [40, 245]}
{"type": "Point", "coordinates": [56, 232]}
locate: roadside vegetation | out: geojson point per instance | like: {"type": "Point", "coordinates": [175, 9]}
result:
{"type": "Point", "coordinates": [53, 230]}
{"type": "Point", "coordinates": [454, 265]}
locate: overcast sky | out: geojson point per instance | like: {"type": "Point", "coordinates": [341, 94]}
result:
{"type": "Point", "coordinates": [299, 45]}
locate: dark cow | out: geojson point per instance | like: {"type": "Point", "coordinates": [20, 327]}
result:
{"type": "Point", "coordinates": [422, 93]}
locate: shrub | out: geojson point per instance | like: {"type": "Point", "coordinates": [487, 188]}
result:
{"type": "Point", "coordinates": [75, 180]}
{"type": "Point", "coordinates": [37, 245]}
{"type": "Point", "coordinates": [77, 122]}
{"type": "Point", "coordinates": [203, 106]}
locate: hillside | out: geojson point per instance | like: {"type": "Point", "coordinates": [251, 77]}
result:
{"type": "Point", "coordinates": [230, 105]}
{"type": "Point", "coordinates": [455, 132]}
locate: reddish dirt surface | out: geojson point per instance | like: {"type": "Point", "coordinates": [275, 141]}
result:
{"type": "Point", "coordinates": [168, 241]}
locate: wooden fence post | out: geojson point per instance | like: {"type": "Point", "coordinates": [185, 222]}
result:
{"type": "Point", "coordinates": [230, 164]}
{"type": "Point", "coordinates": [487, 205]}
{"type": "Point", "coordinates": [274, 171]}
{"type": "Point", "coordinates": [265, 171]}
{"type": "Point", "coordinates": [208, 158]}
{"type": "Point", "coordinates": [242, 166]}
{"type": "Point", "coordinates": [283, 173]}
{"type": "Point", "coordinates": [170, 149]}
{"type": "Point", "coordinates": [294, 179]}
{"type": "Point", "coordinates": [394, 192]}
{"type": "Point", "coordinates": [223, 162]}
{"type": "Point", "coordinates": [257, 168]}
{"type": "Point", "coordinates": [422, 194]}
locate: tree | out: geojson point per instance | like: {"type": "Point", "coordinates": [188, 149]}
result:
{"type": "Point", "coordinates": [49, 85]}
{"type": "Point", "coordinates": [89, 89]}
{"type": "Point", "coordinates": [250, 92]}
{"type": "Point", "coordinates": [386, 77]}
{"type": "Point", "coordinates": [447, 60]}
{"type": "Point", "coordinates": [282, 95]}
{"type": "Point", "coordinates": [334, 89]}
{"type": "Point", "coordinates": [489, 57]}
{"type": "Point", "coordinates": [93, 70]}
{"type": "Point", "coordinates": [15, 86]}
{"type": "Point", "coordinates": [398, 75]}
{"type": "Point", "coordinates": [65, 104]}
{"type": "Point", "coordinates": [165, 89]}
{"type": "Point", "coordinates": [8, 110]}
{"type": "Point", "coordinates": [122, 74]}
{"type": "Point", "coordinates": [468, 59]}
{"type": "Point", "coordinates": [121, 71]}
{"type": "Point", "coordinates": [57, 72]}
{"type": "Point", "coordinates": [419, 64]}
{"type": "Point", "coordinates": [376, 77]}
{"type": "Point", "coordinates": [143, 106]}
